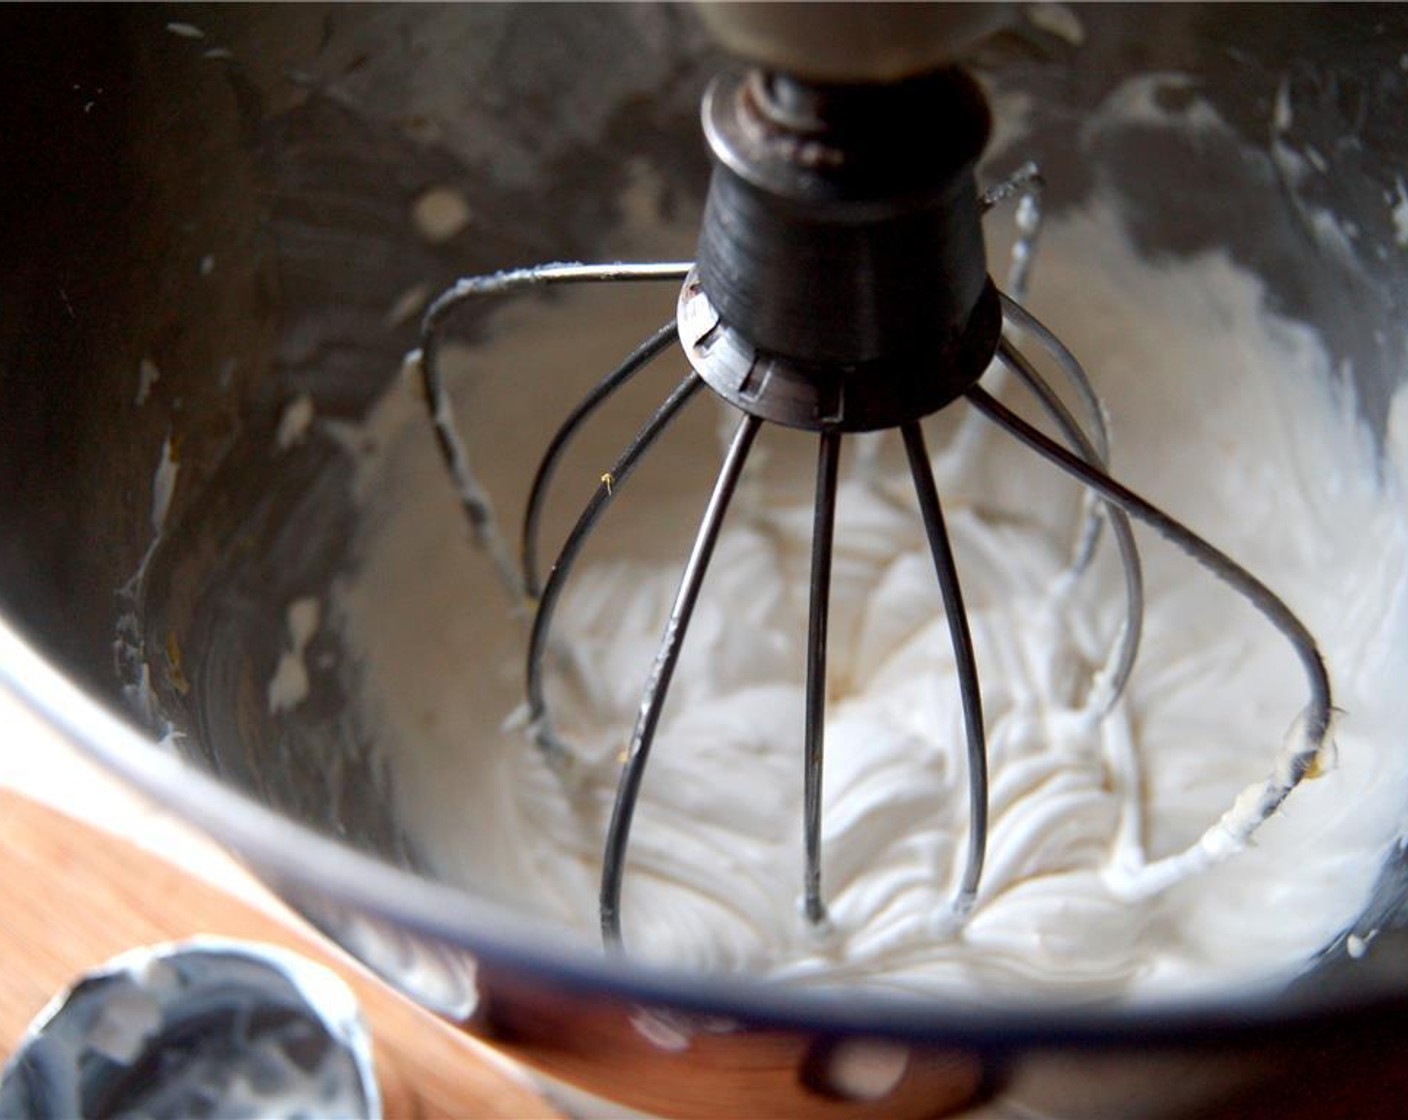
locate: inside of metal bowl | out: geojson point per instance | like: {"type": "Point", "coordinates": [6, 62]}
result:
{"type": "Point", "coordinates": [210, 217]}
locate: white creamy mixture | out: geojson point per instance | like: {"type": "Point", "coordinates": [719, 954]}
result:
{"type": "Point", "coordinates": [1220, 412]}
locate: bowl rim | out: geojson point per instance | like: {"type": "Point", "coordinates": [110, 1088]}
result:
{"type": "Point", "coordinates": [286, 855]}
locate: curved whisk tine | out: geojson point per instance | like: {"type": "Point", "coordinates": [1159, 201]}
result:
{"type": "Point", "coordinates": [474, 499]}
{"type": "Point", "coordinates": [1027, 185]}
{"type": "Point", "coordinates": [634, 362]}
{"type": "Point", "coordinates": [823, 533]}
{"type": "Point", "coordinates": [540, 720]}
{"type": "Point", "coordinates": [1311, 730]}
{"type": "Point", "coordinates": [964, 660]}
{"type": "Point", "coordinates": [657, 685]}
{"type": "Point", "coordinates": [1097, 424]}
{"type": "Point", "coordinates": [1028, 182]}
{"type": "Point", "coordinates": [1071, 367]}
{"type": "Point", "coordinates": [1110, 683]}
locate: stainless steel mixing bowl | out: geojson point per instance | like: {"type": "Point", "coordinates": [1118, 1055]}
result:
{"type": "Point", "coordinates": [224, 192]}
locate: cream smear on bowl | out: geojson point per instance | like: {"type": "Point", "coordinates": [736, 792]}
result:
{"type": "Point", "coordinates": [1220, 411]}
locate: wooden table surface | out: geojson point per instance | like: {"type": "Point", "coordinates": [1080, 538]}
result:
{"type": "Point", "coordinates": [73, 897]}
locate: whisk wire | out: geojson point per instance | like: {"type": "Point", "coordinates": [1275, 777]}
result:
{"type": "Point", "coordinates": [540, 722]}
{"type": "Point", "coordinates": [1028, 186]}
{"type": "Point", "coordinates": [657, 685]}
{"type": "Point", "coordinates": [931, 510]}
{"type": "Point", "coordinates": [1070, 366]}
{"type": "Point", "coordinates": [636, 361]}
{"type": "Point", "coordinates": [1302, 751]}
{"type": "Point", "coordinates": [823, 531]}
{"type": "Point", "coordinates": [1110, 684]}
{"type": "Point", "coordinates": [474, 499]}
{"type": "Point", "coordinates": [1092, 406]}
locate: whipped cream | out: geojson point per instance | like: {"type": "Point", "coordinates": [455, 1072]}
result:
{"type": "Point", "coordinates": [1221, 412]}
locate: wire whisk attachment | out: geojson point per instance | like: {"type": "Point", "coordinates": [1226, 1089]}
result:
{"type": "Point", "coordinates": [841, 287]}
